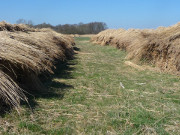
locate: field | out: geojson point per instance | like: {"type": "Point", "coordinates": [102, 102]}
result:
{"type": "Point", "coordinates": [99, 93]}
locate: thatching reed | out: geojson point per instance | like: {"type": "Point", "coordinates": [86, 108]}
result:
{"type": "Point", "coordinates": [25, 53]}
{"type": "Point", "coordinates": [15, 27]}
{"type": "Point", "coordinates": [160, 47]}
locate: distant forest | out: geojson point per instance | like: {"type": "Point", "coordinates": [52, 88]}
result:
{"type": "Point", "coordinates": [81, 28]}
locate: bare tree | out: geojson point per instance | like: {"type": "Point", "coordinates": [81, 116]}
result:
{"type": "Point", "coordinates": [23, 21]}
{"type": "Point", "coordinates": [30, 23]}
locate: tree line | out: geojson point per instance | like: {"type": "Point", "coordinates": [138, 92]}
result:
{"type": "Point", "coordinates": [81, 28]}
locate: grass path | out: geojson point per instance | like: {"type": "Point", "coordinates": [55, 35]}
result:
{"type": "Point", "coordinates": [96, 93]}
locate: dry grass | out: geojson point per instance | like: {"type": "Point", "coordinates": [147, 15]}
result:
{"type": "Point", "coordinates": [15, 27]}
{"type": "Point", "coordinates": [158, 47]}
{"type": "Point", "coordinates": [24, 54]}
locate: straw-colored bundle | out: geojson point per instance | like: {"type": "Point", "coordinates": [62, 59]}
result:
{"type": "Point", "coordinates": [24, 54]}
{"type": "Point", "coordinates": [15, 27]}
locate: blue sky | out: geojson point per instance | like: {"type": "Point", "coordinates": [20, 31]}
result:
{"type": "Point", "coordinates": [116, 13]}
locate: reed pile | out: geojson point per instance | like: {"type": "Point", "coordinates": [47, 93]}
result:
{"type": "Point", "coordinates": [25, 53]}
{"type": "Point", "coordinates": [159, 47]}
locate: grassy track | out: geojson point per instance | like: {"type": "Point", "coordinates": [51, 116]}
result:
{"type": "Point", "coordinates": [96, 93]}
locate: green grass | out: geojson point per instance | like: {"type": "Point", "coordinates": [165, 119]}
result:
{"type": "Point", "coordinates": [86, 97]}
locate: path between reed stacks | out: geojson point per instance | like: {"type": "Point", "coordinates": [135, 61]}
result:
{"type": "Point", "coordinates": [97, 93]}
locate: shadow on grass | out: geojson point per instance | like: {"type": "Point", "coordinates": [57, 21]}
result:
{"type": "Point", "coordinates": [52, 89]}
{"type": "Point", "coordinates": [76, 48]}
{"type": "Point", "coordinates": [4, 109]}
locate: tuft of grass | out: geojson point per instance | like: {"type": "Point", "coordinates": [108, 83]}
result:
{"type": "Point", "coordinates": [31, 127]}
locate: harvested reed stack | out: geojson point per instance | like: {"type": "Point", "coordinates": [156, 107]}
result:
{"type": "Point", "coordinates": [160, 47]}
{"type": "Point", "coordinates": [15, 27]}
{"type": "Point", "coordinates": [24, 54]}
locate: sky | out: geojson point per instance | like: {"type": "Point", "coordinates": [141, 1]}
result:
{"type": "Point", "coordinates": [115, 13]}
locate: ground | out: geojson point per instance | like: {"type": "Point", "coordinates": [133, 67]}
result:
{"type": "Point", "coordinates": [98, 93]}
